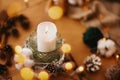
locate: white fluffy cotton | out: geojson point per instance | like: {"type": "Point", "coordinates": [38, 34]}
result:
{"type": "Point", "coordinates": [27, 52]}
{"type": "Point", "coordinates": [106, 47]}
{"type": "Point", "coordinates": [18, 66]}
{"type": "Point", "coordinates": [29, 63]}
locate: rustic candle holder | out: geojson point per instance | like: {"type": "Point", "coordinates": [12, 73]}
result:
{"type": "Point", "coordinates": [50, 61]}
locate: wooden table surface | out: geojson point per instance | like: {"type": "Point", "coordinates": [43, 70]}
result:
{"type": "Point", "coordinates": [71, 30]}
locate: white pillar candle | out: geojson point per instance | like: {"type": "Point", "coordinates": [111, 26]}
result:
{"type": "Point", "coordinates": [46, 37]}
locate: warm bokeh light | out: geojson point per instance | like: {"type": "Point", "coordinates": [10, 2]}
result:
{"type": "Point", "coordinates": [43, 75]}
{"type": "Point", "coordinates": [55, 12]}
{"type": "Point", "coordinates": [68, 66]}
{"type": "Point", "coordinates": [26, 1]}
{"type": "Point", "coordinates": [14, 8]}
{"type": "Point", "coordinates": [117, 56]}
{"type": "Point", "coordinates": [26, 73]}
{"type": "Point", "coordinates": [104, 39]}
{"type": "Point", "coordinates": [80, 69]}
{"type": "Point", "coordinates": [18, 49]}
{"type": "Point", "coordinates": [20, 58]}
{"type": "Point", "coordinates": [66, 48]}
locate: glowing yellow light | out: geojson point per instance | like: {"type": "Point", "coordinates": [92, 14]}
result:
{"type": "Point", "coordinates": [43, 75]}
{"type": "Point", "coordinates": [14, 8]}
{"type": "Point", "coordinates": [20, 58]}
{"type": "Point", "coordinates": [66, 48]}
{"type": "Point", "coordinates": [104, 39]}
{"type": "Point", "coordinates": [117, 56]}
{"type": "Point", "coordinates": [26, 73]}
{"type": "Point", "coordinates": [26, 1]}
{"type": "Point", "coordinates": [55, 12]}
{"type": "Point", "coordinates": [18, 49]}
{"type": "Point", "coordinates": [80, 69]}
{"type": "Point", "coordinates": [68, 66]}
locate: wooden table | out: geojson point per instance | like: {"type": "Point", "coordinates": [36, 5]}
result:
{"type": "Point", "coordinates": [71, 30]}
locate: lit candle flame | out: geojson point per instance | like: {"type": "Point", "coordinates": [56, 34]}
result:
{"type": "Point", "coordinates": [46, 29]}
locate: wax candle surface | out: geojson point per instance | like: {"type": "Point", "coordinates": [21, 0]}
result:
{"type": "Point", "coordinates": [46, 37]}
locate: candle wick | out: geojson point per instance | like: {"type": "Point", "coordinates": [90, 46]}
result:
{"type": "Point", "coordinates": [46, 30]}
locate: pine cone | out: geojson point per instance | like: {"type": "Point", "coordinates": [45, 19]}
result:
{"type": "Point", "coordinates": [51, 68]}
{"type": "Point", "coordinates": [54, 69]}
{"type": "Point", "coordinates": [92, 63]}
{"type": "Point", "coordinates": [113, 73]}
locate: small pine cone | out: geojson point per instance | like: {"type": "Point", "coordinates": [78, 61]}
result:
{"type": "Point", "coordinates": [51, 68]}
{"type": "Point", "coordinates": [113, 73]}
{"type": "Point", "coordinates": [92, 63]}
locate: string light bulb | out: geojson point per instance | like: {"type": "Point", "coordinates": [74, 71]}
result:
{"type": "Point", "coordinates": [26, 73]}
{"type": "Point", "coordinates": [117, 56]}
{"type": "Point", "coordinates": [18, 49]}
{"type": "Point", "coordinates": [55, 12]}
{"type": "Point", "coordinates": [69, 66]}
{"type": "Point", "coordinates": [20, 58]}
{"type": "Point", "coordinates": [43, 75]}
{"type": "Point", "coordinates": [80, 69]}
{"type": "Point", "coordinates": [66, 48]}
{"type": "Point", "coordinates": [104, 39]}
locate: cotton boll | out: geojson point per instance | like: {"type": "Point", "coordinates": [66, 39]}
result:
{"type": "Point", "coordinates": [18, 66]}
{"type": "Point", "coordinates": [29, 63]}
{"type": "Point", "coordinates": [15, 57]}
{"type": "Point", "coordinates": [109, 54]}
{"type": "Point", "coordinates": [111, 48]}
{"type": "Point", "coordinates": [27, 52]}
{"type": "Point", "coordinates": [111, 51]}
{"type": "Point", "coordinates": [101, 47]}
{"type": "Point", "coordinates": [106, 47]}
{"type": "Point", "coordinates": [110, 44]}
